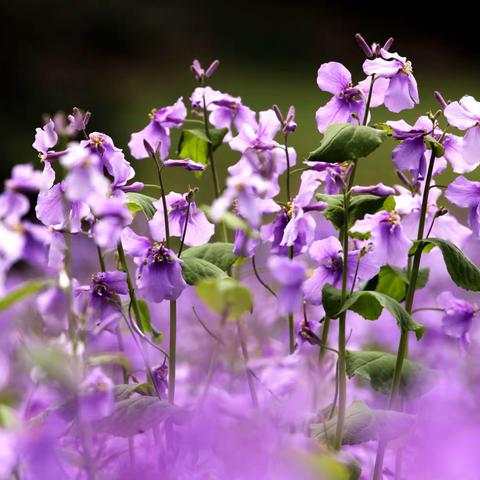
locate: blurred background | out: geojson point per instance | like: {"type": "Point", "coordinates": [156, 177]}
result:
{"type": "Point", "coordinates": [120, 58]}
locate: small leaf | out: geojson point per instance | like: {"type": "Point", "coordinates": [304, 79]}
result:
{"type": "Point", "coordinates": [331, 300]}
{"type": "Point", "coordinates": [432, 144]}
{"type": "Point", "coordinates": [363, 424]}
{"type": "Point", "coordinates": [195, 270]}
{"type": "Point", "coordinates": [462, 271]}
{"type": "Point", "coordinates": [23, 291]}
{"type": "Point", "coordinates": [359, 206]}
{"type": "Point", "coordinates": [369, 305]}
{"type": "Point", "coordinates": [392, 282]}
{"type": "Point", "coordinates": [345, 141]}
{"type": "Point", "coordinates": [138, 202]}
{"type": "Point", "coordinates": [220, 254]}
{"type": "Point", "coordinates": [123, 391]}
{"type": "Point", "coordinates": [422, 279]}
{"type": "Point", "coordinates": [378, 369]}
{"type": "Point", "coordinates": [106, 358]}
{"type": "Point", "coordinates": [135, 415]}
{"type": "Point", "coordinates": [226, 296]}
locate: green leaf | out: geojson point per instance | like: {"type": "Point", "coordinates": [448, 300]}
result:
{"type": "Point", "coordinates": [125, 390]}
{"type": "Point", "coordinates": [194, 143]}
{"type": "Point", "coordinates": [359, 206]}
{"type": "Point", "coordinates": [369, 305]}
{"type": "Point", "coordinates": [331, 300]}
{"type": "Point", "coordinates": [146, 323]}
{"type": "Point", "coordinates": [220, 254]}
{"type": "Point", "coordinates": [106, 358]}
{"type": "Point", "coordinates": [462, 271]}
{"type": "Point", "coordinates": [422, 279]}
{"type": "Point", "coordinates": [8, 418]}
{"type": "Point", "coordinates": [135, 415]}
{"type": "Point", "coordinates": [432, 144]}
{"type": "Point", "coordinates": [195, 270]}
{"type": "Point", "coordinates": [138, 202]}
{"type": "Point", "coordinates": [378, 369]}
{"type": "Point", "coordinates": [345, 141]}
{"type": "Point", "coordinates": [393, 282]}
{"type": "Point", "coordinates": [226, 296]}
{"type": "Point", "coordinates": [23, 291]}
{"type": "Point", "coordinates": [363, 424]}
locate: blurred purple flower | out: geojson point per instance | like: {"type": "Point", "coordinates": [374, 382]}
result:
{"type": "Point", "coordinates": [186, 163]}
{"type": "Point", "coordinates": [466, 193]}
{"type": "Point", "coordinates": [96, 398]}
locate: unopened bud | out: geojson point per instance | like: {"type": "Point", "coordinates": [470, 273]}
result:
{"type": "Point", "coordinates": [148, 148]}
{"type": "Point", "coordinates": [441, 212]}
{"type": "Point", "coordinates": [403, 178]}
{"type": "Point", "coordinates": [211, 69]}
{"type": "Point", "coordinates": [440, 99]}
{"type": "Point", "coordinates": [278, 113]}
{"type": "Point", "coordinates": [363, 45]}
{"type": "Point", "coordinates": [388, 44]}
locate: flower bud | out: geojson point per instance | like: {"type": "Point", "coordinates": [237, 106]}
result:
{"type": "Point", "coordinates": [148, 148]}
{"type": "Point", "coordinates": [278, 113]}
{"type": "Point", "coordinates": [440, 99]}
{"type": "Point", "coordinates": [211, 69]}
{"type": "Point", "coordinates": [363, 45]}
{"type": "Point", "coordinates": [388, 44]}
{"type": "Point", "coordinates": [403, 178]}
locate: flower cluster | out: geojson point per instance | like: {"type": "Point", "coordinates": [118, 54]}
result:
{"type": "Point", "coordinates": [147, 333]}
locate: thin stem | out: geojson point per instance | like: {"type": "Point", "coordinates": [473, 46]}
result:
{"type": "Point", "coordinates": [131, 290]}
{"type": "Point", "coordinates": [428, 309]}
{"type": "Point", "coordinates": [172, 352]}
{"type": "Point", "coordinates": [324, 344]}
{"type": "Point", "coordinates": [287, 158]}
{"type": "Point", "coordinates": [403, 343]}
{"type": "Point", "coordinates": [355, 275]}
{"type": "Point", "coordinates": [211, 161]}
{"type": "Point", "coordinates": [243, 346]}
{"type": "Point", "coordinates": [164, 201]}
{"type": "Point", "coordinates": [72, 324]}
{"type": "Point", "coordinates": [369, 100]}
{"type": "Point", "coordinates": [184, 233]}
{"type": "Point", "coordinates": [257, 275]}
{"type": "Point", "coordinates": [291, 322]}
{"type": "Point", "coordinates": [101, 260]}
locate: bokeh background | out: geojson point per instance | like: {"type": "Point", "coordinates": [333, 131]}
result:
{"type": "Point", "coordinates": [120, 58]}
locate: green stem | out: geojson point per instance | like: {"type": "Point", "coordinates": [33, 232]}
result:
{"type": "Point", "coordinates": [291, 322]}
{"type": "Point", "coordinates": [403, 343]}
{"type": "Point", "coordinates": [260, 280]}
{"type": "Point", "coordinates": [72, 324]}
{"type": "Point", "coordinates": [184, 233]}
{"type": "Point", "coordinates": [164, 201]}
{"type": "Point", "coordinates": [101, 260]}
{"type": "Point", "coordinates": [243, 346]}
{"type": "Point", "coordinates": [172, 352]}
{"type": "Point", "coordinates": [369, 100]}
{"type": "Point", "coordinates": [325, 331]}
{"type": "Point", "coordinates": [287, 158]}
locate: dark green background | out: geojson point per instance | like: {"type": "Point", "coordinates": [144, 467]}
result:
{"type": "Point", "coordinates": [120, 58]}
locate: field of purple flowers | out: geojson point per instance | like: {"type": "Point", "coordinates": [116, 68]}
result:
{"type": "Point", "coordinates": [301, 326]}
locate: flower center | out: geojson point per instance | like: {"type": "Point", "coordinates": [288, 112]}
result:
{"type": "Point", "coordinates": [394, 218]}
{"type": "Point", "coordinates": [407, 68]}
{"type": "Point", "coordinates": [158, 253]}
{"type": "Point", "coordinates": [96, 142]}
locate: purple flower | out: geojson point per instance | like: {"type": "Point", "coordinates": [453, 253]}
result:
{"type": "Point", "coordinates": [159, 273]}
{"type": "Point", "coordinates": [186, 163]}
{"type": "Point", "coordinates": [391, 245]}
{"type": "Point", "coordinates": [290, 274]}
{"type": "Point", "coordinates": [54, 210]}
{"type": "Point", "coordinates": [111, 217]}
{"type": "Point", "coordinates": [85, 176]}
{"type": "Point", "coordinates": [79, 120]}
{"type": "Point", "coordinates": [328, 256]}
{"type": "Point", "coordinates": [200, 74]}
{"type": "Point", "coordinates": [458, 317]}
{"type": "Point", "coordinates": [402, 91]}
{"type": "Point", "coordinates": [409, 155]}
{"type": "Point", "coordinates": [294, 225]}
{"type": "Point", "coordinates": [198, 229]}
{"type": "Point", "coordinates": [157, 132]}
{"type": "Point", "coordinates": [111, 157]}
{"type": "Point", "coordinates": [100, 298]}
{"type": "Point", "coordinates": [466, 194]}
{"type": "Point", "coordinates": [45, 139]}
{"type": "Point", "coordinates": [96, 398]}
{"type": "Point", "coordinates": [52, 306]}
{"type": "Point", "coordinates": [348, 102]}
{"type": "Point", "coordinates": [465, 115]}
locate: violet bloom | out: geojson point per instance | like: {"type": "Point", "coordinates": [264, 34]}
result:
{"type": "Point", "coordinates": [54, 210]}
{"type": "Point", "coordinates": [327, 254]}
{"type": "Point", "coordinates": [157, 132]}
{"type": "Point", "coordinates": [79, 120]}
{"type": "Point", "coordinates": [402, 91]}
{"type": "Point", "coordinates": [465, 115]}
{"type": "Point", "coordinates": [466, 194]}
{"type": "Point", "coordinates": [85, 176]}
{"type": "Point", "coordinates": [111, 157]}
{"type": "Point", "coordinates": [294, 226]}
{"type": "Point", "coordinates": [202, 74]}
{"type": "Point", "coordinates": [458, 317]}
{"type": "Point", "coordinates": [181, 214]}
{"type": "Point", "coordinates": [226, 111]}
{"type": "Point", "coordinates": [379, 190]}
{"type": "Point", "coordinates": [159, 273]}
{"type": "Point", "coordinates": [391, 245]}
{"type": "Point", "coordinates": [348, 102]}
{"type": "Point", "coordinates": [290, 274]}
{"type": "Point", "coordinates": [111, 217]}
{"type": "Point", "coordinates": [45, 139]}
{"type": "Point", "coordinates": [410, 154]}
{"type": "Point", "coordinates": [101, 299]}
{"type": "Point", "coordinates": [96, 397]}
